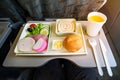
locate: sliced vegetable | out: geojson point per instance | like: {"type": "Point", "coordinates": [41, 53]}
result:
{"type": "Point", "coordinates": [32, 25]}
{"type": "Point", "coordinates": [29, 29]}
{"type": "Point", "coordinates": [44, 31]}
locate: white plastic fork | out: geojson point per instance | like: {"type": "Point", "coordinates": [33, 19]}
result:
{"type": "Point", "coordinates": [93, 44]}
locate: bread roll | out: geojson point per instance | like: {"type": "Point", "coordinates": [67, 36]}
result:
{"type": "Point", "coordinates": [73, 43]}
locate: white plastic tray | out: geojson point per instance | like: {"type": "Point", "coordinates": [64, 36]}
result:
{"type": "Point", "coordinates": [53, 36]}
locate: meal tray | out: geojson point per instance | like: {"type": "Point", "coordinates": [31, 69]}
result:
{"type": "Point", "coordinates": [53, 36]}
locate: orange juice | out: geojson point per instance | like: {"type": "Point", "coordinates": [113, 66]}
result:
{"type": "Point", "coordinates": [96, 18]}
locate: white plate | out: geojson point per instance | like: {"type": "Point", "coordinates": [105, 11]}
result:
{"type": "Point", "coordinates": [54, 36]}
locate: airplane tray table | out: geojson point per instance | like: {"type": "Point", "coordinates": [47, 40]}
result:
{"type": "Point", "coordinates": [87, 60]}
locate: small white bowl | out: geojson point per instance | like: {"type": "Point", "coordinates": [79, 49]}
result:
{"type": "Point", "coordinates": [65, 26]}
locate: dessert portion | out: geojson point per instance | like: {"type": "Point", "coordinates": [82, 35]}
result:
{"type": "Point", "coordinates": [65, 26]}
{"type": "Point", "coordinates": [57, 44]}
{"type": "Point", "coordinates": [73, 43]}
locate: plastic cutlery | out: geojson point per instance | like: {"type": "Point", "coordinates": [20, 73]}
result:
{"type": "Point", "coordinates": [93, 44]}
{"type": "Point", "coordinates": [105, 57]}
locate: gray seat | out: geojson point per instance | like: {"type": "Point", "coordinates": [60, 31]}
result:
{"type": "Point", "coordinates": [61, 8]}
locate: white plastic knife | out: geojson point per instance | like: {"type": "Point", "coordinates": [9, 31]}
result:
{"type": "Point", "coordinates": [104, 51]}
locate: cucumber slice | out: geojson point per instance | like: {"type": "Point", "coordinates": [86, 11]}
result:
{"type": "Point", "coordinates": [44, 31]}
{"type": "Point", "coordinates": [46, 26]}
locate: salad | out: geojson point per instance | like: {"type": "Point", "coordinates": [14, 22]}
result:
{"type": "Point", "coordinates": [40, 28]}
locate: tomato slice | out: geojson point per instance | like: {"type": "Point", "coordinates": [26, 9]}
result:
{"type": "Point", "coordinates": [32, 25]}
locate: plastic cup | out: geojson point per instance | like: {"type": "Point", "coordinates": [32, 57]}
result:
{"type": "Point", "coordinates": [95, 22]}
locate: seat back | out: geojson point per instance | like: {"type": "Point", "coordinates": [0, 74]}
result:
{"type": "Point", "coordinates": [100, 4]}
{"type": "Point", "coordinates": [61, 8]}
{"type": "Point", "coordinates": [70, 8]}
